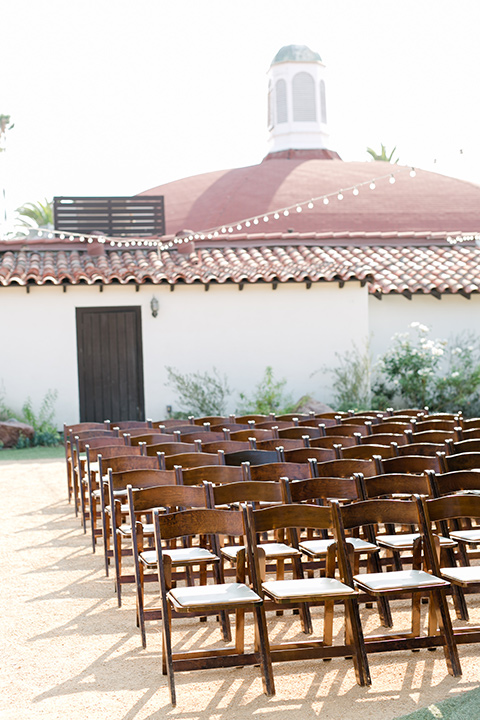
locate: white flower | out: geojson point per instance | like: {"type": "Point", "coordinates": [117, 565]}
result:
{"type": "Point", "coordinates": [455, 374]}
{"type": "Point", "coordinates": [437, 351]}
{"type": "Point", "coordinates": [425, 371]}
{"type": "Point", "coordinates": [414, 324]}
{"type": "Point", "coordinates": [423, 328]}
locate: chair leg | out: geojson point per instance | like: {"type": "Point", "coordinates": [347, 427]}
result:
{"type": "Point", "coordinates": [117, 555]}
{"type": "Point", "coordinates": [445, 625]}
{"type": "Point", "coordinates": [264, 651]}
{"type": "Point", "coordinates": [355, 635]}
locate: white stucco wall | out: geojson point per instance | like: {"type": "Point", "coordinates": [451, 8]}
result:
{"type": "Point", "coordinates": [447, 317]}
{"type": "Point", "coordinates": [295, 330]}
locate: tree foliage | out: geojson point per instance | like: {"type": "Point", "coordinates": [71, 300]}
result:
{"type": "Point", "coordinates": [383, 156]}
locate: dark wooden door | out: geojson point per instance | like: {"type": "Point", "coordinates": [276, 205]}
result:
{"type": "Point", "coordinates": [110, 364]}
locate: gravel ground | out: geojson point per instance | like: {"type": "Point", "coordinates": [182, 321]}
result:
{"type": "Point", "coordinates": [69, 652]}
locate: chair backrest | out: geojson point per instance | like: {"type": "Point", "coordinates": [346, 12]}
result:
{"type": "Point", "coordinates": [420, 449]}
{"type": "Point", "coordinates": [255, 418]}
{"type": "Point", "coordinates": [171, 497]}
{"type": "Point", "coordinates": [171, 448]}
{"type": "Point", "coordinates": [225, 445]}
{"type": "Point", "coordinates": [346, 468]}
{"type": "Point", "coordinates": [432, 424]}
{"type": "Point", "coordinates": [76, 428]}
{"type": "Point", "coordinates": [382, 439]}
{"type": "Point", "coordinates": [303, 455]}
{"type": "Point", "coordinates": [294, 416]}
{"type": "Point", "coordinates": [212, 419]}
{"type": "Point", "coordinates": [253, 433]}
{"type": "Point", "coordinates": [152, 438]}
{"type": "Point", "coordinates": [454, 481]}
{"type": "Point", "coordinates": [99, 441]}
{"type": "Point", "coordinates": [391, 427]}
{"type": "Point", "coordinates": [431, 436]}
{"type": "Point", "coordinates": [246, 491]}
{"type": "Point", "coordinates": [254, 457]}
{"type": "Point", "coordinates": [460, 461]}
{"type": "Point", "coordinates": [462, 446]}
{"type": "Point", "coordinates": [110, 451]}
{"type": "Point", "coordinates": [274, 471]}
{"type": "Point", "coordinates": [203, 436]}
{"type": "Point", "coordinates": [367, 452]}
{"type": "Point", "coordinates": [286, 443]}
{"type": "Point", "coordinates": [470, 423]}
{"type": "Point", "coordinates": [124, 463]}
{"type": "Point", "coordinates": [86, 434]}
{"type": "Point", "coordinates": [470, 434]}
{"type": "Point", "coordinates": [301, 431]}
{"type": "Point", "coordinates": [130, 424]}
{"type": "Point", "coordinates": [331, 440]}
{"type": "Point", "coordinates": [312, 489]}
{"type": "Point", "coordinates": [141, 478]}
{"type": "Point", "coordinates": [414, 464]}
{"type": "Point", "coordinates": [379, 486]}
{"type": "Point", "coordinates": [316, 421]}
{"type": "Point", "coordinates": [193, 459]}
{"type": "Point", "coordinates": [368, 514]}
{"type": "Point", "coordinates": [280, 424]}
{"type": "Point", "coordinates": [348, 429]}
{"type": "Point", "coordinates": [215, 474]}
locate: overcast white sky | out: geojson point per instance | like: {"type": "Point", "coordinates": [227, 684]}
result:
{"type": "Point", "coordinates": [111, 97]}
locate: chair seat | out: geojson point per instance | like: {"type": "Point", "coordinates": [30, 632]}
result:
{"type": "Point", "coordinates": [212, 596]}
{"type": "Point", "coordinates": [272, 551]}
{"type": "Point", "coordinates": [308, 589]}
{"type": "Point", "coordinates": [179, 556]}
{"type": "Point", "coordinates": [466, 536]}
{"type": "Point", "coordinates": [314, 548]}
{"type": "Point", "coordinates": [404, 541]}
{"type": "Point", "coordinates": [462, 575]}
{"type": "Point", "coordinates": [398, 580]}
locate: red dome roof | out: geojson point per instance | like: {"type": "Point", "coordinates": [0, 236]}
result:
{"type": "Point", "coordinates": [428, 202]}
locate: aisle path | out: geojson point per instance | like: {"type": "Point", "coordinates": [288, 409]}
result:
{"type": "Point", "coordinates": [68, 652]}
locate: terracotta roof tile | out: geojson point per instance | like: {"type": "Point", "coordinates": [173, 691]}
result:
{"type": "Point", "coordinates": [387, 269]}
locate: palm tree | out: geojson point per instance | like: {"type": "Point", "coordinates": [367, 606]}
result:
{"type": "Point", "coordinates": [5, 125]}
{"type": "Point", "coordinates": [34, 215]}
{"type": "Point", "coordinates": [382, 156]}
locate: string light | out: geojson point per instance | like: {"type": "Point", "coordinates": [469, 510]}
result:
{"type": "Point", "coordinates": [245, 223]}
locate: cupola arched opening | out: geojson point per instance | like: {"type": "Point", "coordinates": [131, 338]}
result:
{"type": "Point", "coordinates": [303, 93]}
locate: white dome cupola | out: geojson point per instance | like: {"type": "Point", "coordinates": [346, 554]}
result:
{"type": "Point", "coordinates": [297, 105]}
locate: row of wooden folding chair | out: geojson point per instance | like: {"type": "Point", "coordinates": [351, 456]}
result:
{"type": "Point", "coordinates": [300, 591]}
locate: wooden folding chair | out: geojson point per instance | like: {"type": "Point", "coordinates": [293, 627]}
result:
{"type": "Point", "coordinates": [209, 599]}
{"type": "Point", "coordinates": [300, 591]}
{"type": "Point", "coordinates": [117, 510]}
{"type": "Point", "coordinates": [413, 582]}
{"type": "Point", "coordinates": [216, 474]}
{"type": "Point", "coordinates": [450, 509]}
{"type": "Point", "coordinates": [459, 461]}
{"type": "Point", "coordinates": [170, 498]}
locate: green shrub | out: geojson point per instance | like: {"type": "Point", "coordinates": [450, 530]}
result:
{"type": "Point", "coordinates": [443, 375]}
{"type": "Point", "coordinates": [199, 394]}
{"type": "Point", "coordinates": [268, 397]}
{"type": "Point", "coordinates": [43, 423]}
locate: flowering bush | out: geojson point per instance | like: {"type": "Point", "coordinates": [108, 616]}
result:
{"type": "Point", "coordinates": [418, 371]}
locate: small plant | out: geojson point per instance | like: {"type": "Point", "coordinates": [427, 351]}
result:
{"type": "Point", "coordinates": [200, 394]}
{"type": "Point", "coordinates": [45, 431]}
{"type": "Point", "coordinates": [268, 397]}
{"type": "Point", "coordinates": [352, 378]}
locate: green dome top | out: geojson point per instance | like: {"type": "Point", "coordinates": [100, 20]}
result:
{"type": "Point", "coordinates": [296, 53]}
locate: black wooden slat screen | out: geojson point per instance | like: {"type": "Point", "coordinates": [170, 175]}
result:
{"type": "Point", "coordinates": [110, 216]}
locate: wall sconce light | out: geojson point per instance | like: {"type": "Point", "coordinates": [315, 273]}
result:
{"type": "Point", "coordinates": [154, 306]}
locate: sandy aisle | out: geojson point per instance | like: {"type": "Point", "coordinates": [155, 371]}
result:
{"type": "Point", "coordinates": [69, 652]}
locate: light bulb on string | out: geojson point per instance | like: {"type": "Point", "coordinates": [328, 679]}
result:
{"type": "Point", "coordinates": [276, 216]}
{"type": "Point", "coordinates": [239, 227]}
{"type": "Point", "coordinates": [326, 201]}
{"type": "Point", "coordinates": [372, 186]}
{"type": "Point", "coordinates": [412, 172]}
{"type": "Point", "coordinates": [299, 208]}
{"type": "Point", "coordinates": [286, 213]}
{"type": "Point", "coordinates": [266, 218]}
{"type": "Point", "coordinates": [255, 222]}
{"type": "Point", "coordinates": [355, 191]}
{"type": "Point", "coordinates": [340, 196]}
{"type": "Point", "coordinates": [391, 179]}
{"type": "Point", "coordinates": [248, 223]}
{"type": "Point", "coordinates": [310, 205]}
